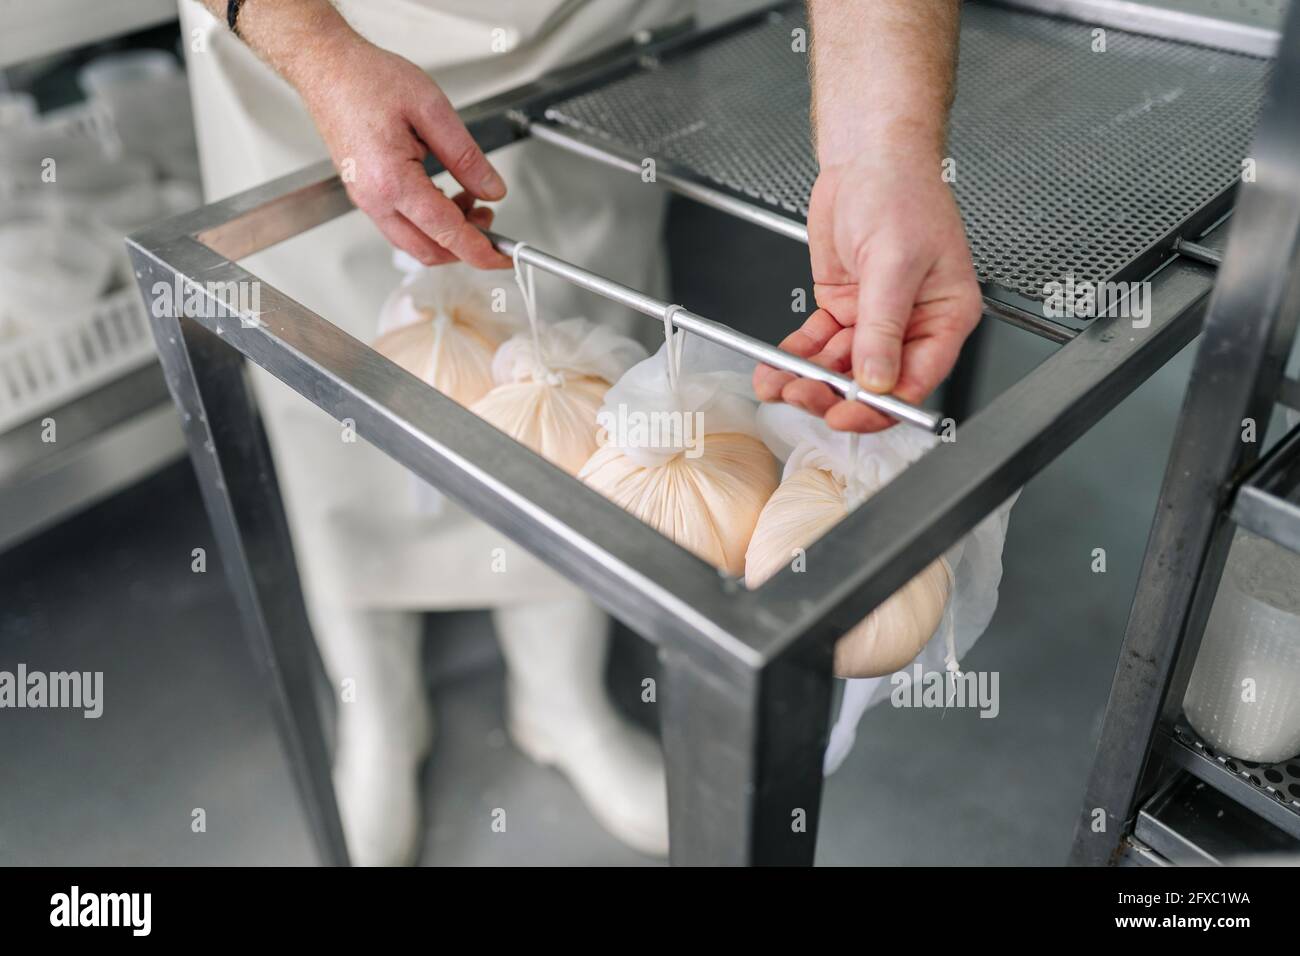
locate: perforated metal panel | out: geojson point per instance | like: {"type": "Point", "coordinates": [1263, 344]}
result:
{"type": "Point", "coordinates": [1279, 781]}
{"type": "Point", "coordinates": [1071, 161]}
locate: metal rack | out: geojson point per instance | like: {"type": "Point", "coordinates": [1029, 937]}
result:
{"type": "Point", "coordinates": [1187, 823]}
{"type": "Point", "coordinates": [1215, 483]}
{"type": "Point", "coordinates": [89, 369]}
{"type": "Point", "coordinates": [746, 688]}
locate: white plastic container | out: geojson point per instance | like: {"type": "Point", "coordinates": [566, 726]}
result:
{"type": "Point", "coordinates": [1244, 693]}
{"type": "Point", "coordinates": [126, 70]}
{"type": "Point", "coordinates": [70, 316]}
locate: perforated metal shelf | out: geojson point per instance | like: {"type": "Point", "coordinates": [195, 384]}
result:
{"type": "Point", "coordinates": [1070, 162]}
{"type": "Point", "coordinates": [1270, 790]}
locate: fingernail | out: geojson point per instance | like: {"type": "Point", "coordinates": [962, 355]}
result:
{"type": "Point", "coordinates": [877, 375]}
{"type": "Point", "coordinates": [493, 186]}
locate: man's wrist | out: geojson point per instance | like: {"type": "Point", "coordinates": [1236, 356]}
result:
{"type": "Point", "coordinates": [904, 142]}
{"type": "Point", "coordinates": [330, 47]}
{"type": "Point", "coordinates": [302, 40]}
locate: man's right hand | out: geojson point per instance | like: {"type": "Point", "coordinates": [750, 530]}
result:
{"type": "Point", "coordinates": [380, 116]}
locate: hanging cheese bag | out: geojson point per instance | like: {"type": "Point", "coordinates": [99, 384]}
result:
{"type": "Point", "coordinates": [682, 452]}
{"type": "Point", "coordinates": [930, 622]}
{"type": "Point", "coordinates": [827, 475]}
{"type": "Point", "coordinates": [439, 325]}
{"type": "Point", "coordinates": [552, 380]}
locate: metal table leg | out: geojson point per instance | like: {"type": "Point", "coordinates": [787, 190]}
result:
{"type": "Point", "coordinates": [230, 454]}
{"type": "Point", "coordinates": [1249, 329]}
{"type": "Point", "coordinates": [744, 757]}
{"type": "Point", "coordinates": [747, 673]}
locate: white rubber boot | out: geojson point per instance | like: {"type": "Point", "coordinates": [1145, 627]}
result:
{"type": "Point", "coordinates": [557, 712]}
{"type": "Point", "coordinates": [384, 729]}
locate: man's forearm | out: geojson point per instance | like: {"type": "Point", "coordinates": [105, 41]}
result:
{"type": "Point", "coordinates": [295, 37]}
{"type": "Point", "coordinates": [883, 76]}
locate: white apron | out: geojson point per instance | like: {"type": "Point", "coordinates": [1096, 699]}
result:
{"type": "Point", "coordinates": [359, 537]}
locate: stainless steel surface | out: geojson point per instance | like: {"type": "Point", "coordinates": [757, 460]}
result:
{"type": "Point", "coordinates": [680, 180]}
{"type": "Point", "coordinates": [1191, 824]}
{"type": "Point", "coordinates": [233, 464]}
{"type": "Point", "coordinates": [661, 591]}
{"type": "Point", "coordinates": [1243, 26]}
{"type": "Point", "coordinates": [748, 676]}
{"type": "Point", "coordinates": [1268, 502]}
{"type": "Point", "coordinates": [1164, 838]}
{"type": "Point", "coordinates": [716, 332]}
{"type": "Point", "coordinates": [1266, 14]}
{"type": "Point", "coordinates": [1130, 147]}
{"type": "Point", "coordinates": [1249, 330]}
{"type": "Point", "coordinates": [106, 439]}
{"type": "Point", "coordinates": [1271, 791]}
{"type": "Point", "coordinates": [744, 750]}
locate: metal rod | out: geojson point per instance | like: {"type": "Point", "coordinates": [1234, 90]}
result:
{"type": "Point", "coordinates": [717, 333]}
{"type": "Point", "coordinates": [1164, 21]}
{"type": "Point", "coordinates": [1194, 250]}
{"type": "Point", "coordinates": [702, 193]}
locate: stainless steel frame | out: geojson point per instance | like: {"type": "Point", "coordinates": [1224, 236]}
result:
{"type": "Point", "coordinates": [747, 681]}
{"type": "Point", "coordinates": [1209, 484]}
{"type": "Point", "coordinates": [1189, 21]}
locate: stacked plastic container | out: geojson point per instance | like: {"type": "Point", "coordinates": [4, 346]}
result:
{"type": "Point", "coordinates": [70, 316]}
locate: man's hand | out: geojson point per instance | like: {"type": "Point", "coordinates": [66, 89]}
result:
{"type": "Point", "coordinates": [895, 290]}
{"type": "Point", "coordinates": [893, 280]}
{"type": "Point", "coordinates": [380, 115]}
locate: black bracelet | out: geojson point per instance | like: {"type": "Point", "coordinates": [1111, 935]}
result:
{"type": "Point", "coordinates": [232, 14]}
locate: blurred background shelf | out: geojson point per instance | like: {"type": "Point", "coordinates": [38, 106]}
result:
{"type": "Point", "coordinates": [107, 439]}
{"type": "Point", "coordinates": [35, 28]}
{"type": "Point", "coordinates": [96, 87]}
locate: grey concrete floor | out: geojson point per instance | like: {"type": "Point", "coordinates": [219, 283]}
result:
{"type": "Point", "coordinates": [185, 727]}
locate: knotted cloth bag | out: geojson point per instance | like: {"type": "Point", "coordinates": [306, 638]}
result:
{"type": "Point", "coordinates": [826, 476]}
{"type": "Point", "coordinates": [439, 325]}
{"type": "Point", "coordinates": [681, 449]}
{"type": "Point", "coordinates": [552, 380]}
{"type": "Point", "coordinates": [829, 473]}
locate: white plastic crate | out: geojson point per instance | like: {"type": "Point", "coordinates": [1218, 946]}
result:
{"type": "Point", "coordinates": [51, 358]}
{"type": "Point", "coordinates": [87, 118]}
{"type": "Point", "coordinates": [44, 367]}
